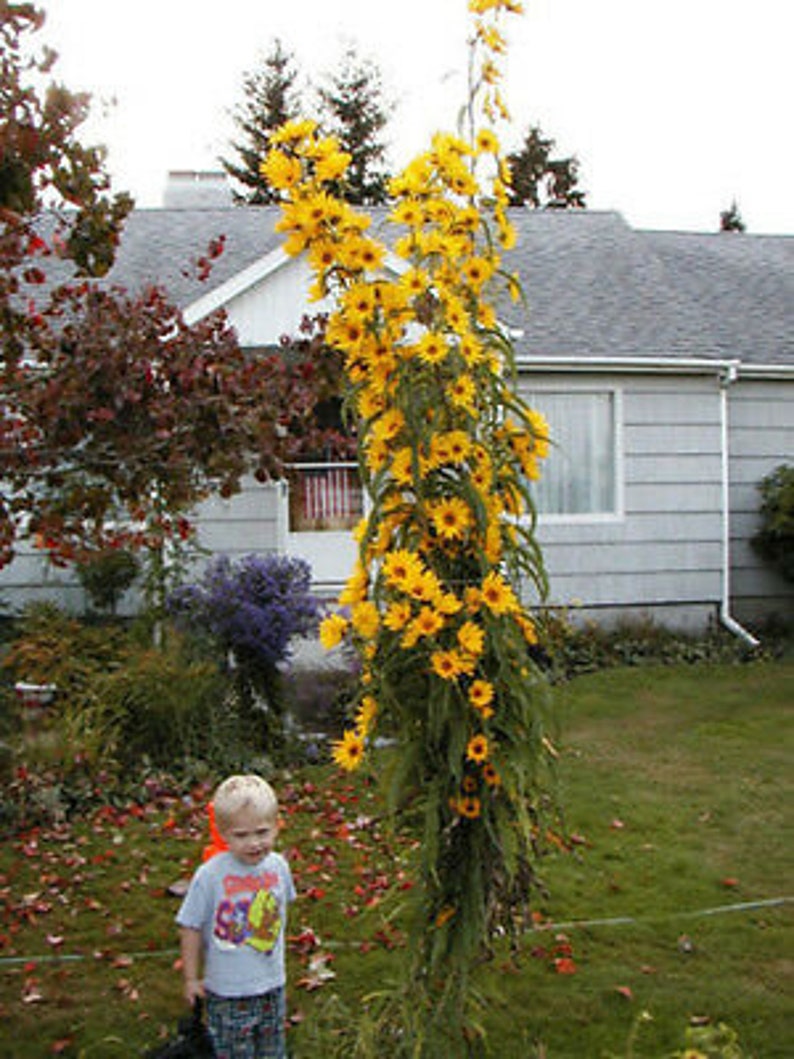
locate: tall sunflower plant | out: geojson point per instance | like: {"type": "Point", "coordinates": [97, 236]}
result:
{"type": "Point", "coordinates": [447, 451]}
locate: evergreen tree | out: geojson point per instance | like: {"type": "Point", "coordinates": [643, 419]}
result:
{"type": "Point", "coordinates": [270, 100]}
{"type": "Point", "coordinates": [355, 110]}
{"type": "Point", "coordinates": [731, 219]}
{"type": "Point", "coordinates": [538, 180]}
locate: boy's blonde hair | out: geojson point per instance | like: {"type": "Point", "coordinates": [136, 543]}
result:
{"type": "Point", "coordinates": [243, 792]}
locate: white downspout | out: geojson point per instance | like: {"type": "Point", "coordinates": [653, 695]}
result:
{"type": "Point", "coordinates": [728, 375]}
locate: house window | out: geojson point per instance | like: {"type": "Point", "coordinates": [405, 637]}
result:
{"type": "Point", "coordinates": [580, 477]}
{"type": "Point", "coordinates": [324, 496]}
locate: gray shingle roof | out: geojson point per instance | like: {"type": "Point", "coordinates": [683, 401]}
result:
{"type": "Point", "coordinates": [595, 286]}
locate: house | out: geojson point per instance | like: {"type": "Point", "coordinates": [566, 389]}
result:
{"type": "Point", "coordinates": [664, 362]}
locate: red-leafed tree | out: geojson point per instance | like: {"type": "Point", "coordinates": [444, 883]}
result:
{"type": "Point", "coordinates": [127, 417]}
{"type": "Point", "coordinates": [43, 164]}
{"type": "Point", "coordinates": [116, 417]}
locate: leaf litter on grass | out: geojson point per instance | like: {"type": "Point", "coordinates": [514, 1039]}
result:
{"type": "Point", "coordinates": [86, 916]}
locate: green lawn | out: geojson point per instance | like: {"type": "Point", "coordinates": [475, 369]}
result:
{"type": "Point", "coordinates": [671, 901]}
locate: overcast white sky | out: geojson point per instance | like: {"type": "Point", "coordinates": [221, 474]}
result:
{"type": "Point", "coordinates": [673, 107]}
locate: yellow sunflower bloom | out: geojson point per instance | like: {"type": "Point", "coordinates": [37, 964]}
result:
{"type": "Point", "coordinates": [540, 431]}
{"type": "Point", "coordinates": [389, 425]}
{"type": "Point", "coordinates": [348, 752]}
{"type": "Point", "coordinates": [365, 619]}
{"type": "Point", "coordinates": [481, 693]}
{"type": "Point", "coordinates": [397, 615]}
{"type": "Point", "coordinates": [472, 599]}
{"type": "Point", "coordinates": [471, 638]}
{"type": "Point", "coordinates": [477, 271]}
{"type": "Point", "coordinates": [462, 393]}
{"type": "Point", "coordinates": [401, 567]}
{"type": "Point", "coordinates": [482, 479]}
{"type": "Point", "coordinates": [355, 589]}
{"type": "Point", "coordinates": [426, 623]}
{"type": "Point", "coordinates": [490, 775]}
{"type": "Point", "coordinates": [451, 518]}
{"type": "Point", "coordinates": [332, 629]}
{"type": "Point", "coordinates": [365, 716]}
{"type": "Point", "coordinates": [459, 444]}
{"type": "Point", "coordinates": [497, 595]}
{"type": "Point", "coordinates": [402, 466]}
{"type": "Point", "coordinates": [370, 402]}
{"type": "Point", "coordinates": [447, 664]}
{"type": "Point", "coordinates": [322, 255]}
{"type": "Point", "coordinates": [330, 163]}
{"type": "Point", "coordinates": [469, 807]}
{"type": "Point", "coordinates": [376, 454]}
{"type": "Point", "coordinates": [414, 281]}
{"type": "Point", "coordinates": [527, 627]}
{"type": "Point", "coordinates": [477, 749]}
{"type": "Point", "coordinates": [293, 131]}
{"type": "Point", "coordinates": [486, 141]}
{"type": "Point", "coordinates": [423, 586]}
{"type": "Point", "coordinates": [471, 350]}
{"type": "Point", "coordinates": [447, 603]}
{"type": "Point", "coordinates": [493, 543]}
{"type": "Point", "coordinates": [432, 348]}
{"type": "Point", "coordinates": [281, 170]}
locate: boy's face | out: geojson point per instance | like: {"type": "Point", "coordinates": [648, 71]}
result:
{"type": "Point", "coordinates": [250, 834]}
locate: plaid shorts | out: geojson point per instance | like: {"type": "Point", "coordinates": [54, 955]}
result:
{"type": "Point", "coordinates": [248, 1027]}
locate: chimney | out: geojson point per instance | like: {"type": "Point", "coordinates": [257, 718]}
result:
{"type": "Point", "coordinates": [196, 189]}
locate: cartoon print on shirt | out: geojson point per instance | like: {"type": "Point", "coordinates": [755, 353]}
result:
{"type": "Point", "coordinates": [265, 921]}
{"type": "Point", "coordinates": [246, 919]}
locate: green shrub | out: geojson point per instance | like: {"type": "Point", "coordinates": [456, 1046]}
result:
{"type": "Point", "coordinates": [774, 541]}
{"type": "Point", "coordinates": [165, 708]}
{"type": "Point", "coordinates": [107, 575]}
{"type": "Point", "coordinates": [570, 647]}
{"type": "Point", "coordinates": [50, 647]}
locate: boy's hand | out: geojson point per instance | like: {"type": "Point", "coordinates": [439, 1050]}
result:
{"type": "Point", "coordinates": [194, 989]}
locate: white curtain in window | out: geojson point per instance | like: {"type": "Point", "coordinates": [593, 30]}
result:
{"type": "Point", "coordinates": [578, 478]}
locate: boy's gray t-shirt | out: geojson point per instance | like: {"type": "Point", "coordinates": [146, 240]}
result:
{"type": "Point", "coordinates": [241, 911]}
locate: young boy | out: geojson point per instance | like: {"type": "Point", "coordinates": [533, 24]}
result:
{"type": "Point", "coordinates": [233, 920]}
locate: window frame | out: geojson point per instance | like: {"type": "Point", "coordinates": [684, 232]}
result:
{"type": "Point", "coordinates": [532, 394]}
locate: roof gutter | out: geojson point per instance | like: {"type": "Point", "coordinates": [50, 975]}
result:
{"type": "Point", "coordinates": [653, 364]}
{"type": "Point", "coordinates": [728, 376]}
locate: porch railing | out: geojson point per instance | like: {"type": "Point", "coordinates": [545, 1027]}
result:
{"type": "Point", "coordinates": [324, 496]}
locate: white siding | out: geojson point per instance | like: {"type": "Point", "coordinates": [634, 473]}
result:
{"type": "Point", "coordinates": [663, 552]}
{"type": "Point", "coordinates": [251, 521]}
{"type": "Point", "coordinates": [761, 417]}
{"type": "Point", "coordinates": [665, 544]}
{"type": "Point", "coordinates": [275, 306]}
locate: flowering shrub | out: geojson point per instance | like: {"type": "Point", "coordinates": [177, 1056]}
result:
{"type": "Point", "coordinates": [447, 449]}
{"type": "Point", "coordinates": [251, 610]}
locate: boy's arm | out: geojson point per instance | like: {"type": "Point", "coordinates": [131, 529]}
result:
{"type": "Point", "coordinates": [190, 944]}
